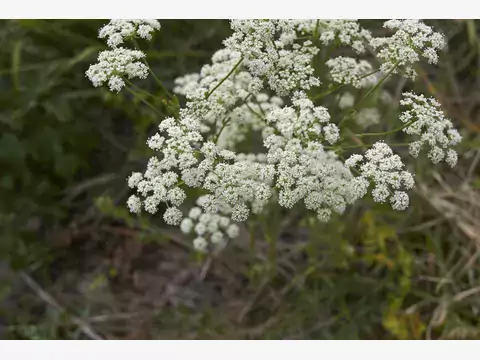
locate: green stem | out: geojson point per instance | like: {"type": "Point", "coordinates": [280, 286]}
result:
{"type": "Point", "coordinates": [138, 88]}
{"type": "Point", "coordinates": [355, 107]}
{"type": "Point", "coordinates": [376, 86]}
{"type": "Point", "coordinates": [337, 87]}
{"type": "Point", "coordinates": [134, 93]}
{"type": "Point", "coordinates": [172, 112]}
{"type": "Point", "coordinates": [224, 125]}
{"type": "Point", "coordinates": [259, 106]}
{"type": "Point", "coordinates": [315, 33]}
{"type": "Point", "coordinates": [386, 132]}
{"type": "Point", "coordinates": [254, 112]}
{"type": "Point", "coordinates": [157, 80]}
{"type": "Point", "coordinates": [328, 92]}
{"type": "Point", "coordinates": [272, 253]}
{"type": "Point", "coordinates": [225, 78]}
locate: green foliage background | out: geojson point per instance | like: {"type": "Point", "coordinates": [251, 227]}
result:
{"type": "Point", "coordinates": [66, 149]}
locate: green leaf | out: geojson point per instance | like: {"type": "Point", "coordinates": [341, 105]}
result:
{"type": "Point", "coordinates": [11, 149]}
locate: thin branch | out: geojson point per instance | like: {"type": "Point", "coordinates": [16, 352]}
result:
{"type": "Point", "coordinates": [387, 132]}
{"type": "Point", "coordinates": [225, 78]}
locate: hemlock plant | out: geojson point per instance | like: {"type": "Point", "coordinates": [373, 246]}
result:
{"type": "Point", "coordinates": [259, 91]}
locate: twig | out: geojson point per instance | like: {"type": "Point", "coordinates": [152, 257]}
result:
{"type": "Point", "coordinates": [46, 297]}
{"type": "Point", "coordinates": [225, 78]}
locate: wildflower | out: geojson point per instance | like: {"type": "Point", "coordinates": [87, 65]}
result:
{"type": "Point", "coordinates": [346, 100]}
{"type": "Point", "coordinates": [116, 31]}
{"type": "Point", "coordinates": [347, 32]}
{"type": "Point", "coordinates": [114, 65]}
{"type": "Point", "coordinates": [425, 119]}
{"type": "Point", "coordinates": [200, 244]}
{"type": "Point", "coordinates": [236, 101]}
{"type": "Point", "coordinates": [345, 70]}
{"type": "Point", "coordinates": [210, 227]}
{"type": "Point", "coordinates": [367, 117]}
{"type": "Point", "coordinates": [134, 204]}
{"type": "Point", "coordinates": [134, 179]}
{"type": "Point", "coordinates": [269, 50]}
{"type": "Point", "coordinates": [172, 216]}
{"type": "Point", "coordinates": [403, 49]}
{"type": "Point", "coordinates": [304, 121]}
{"type": "Point", "coordinates": [384, 169]}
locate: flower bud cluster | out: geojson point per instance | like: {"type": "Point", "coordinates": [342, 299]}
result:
{"type": "Point", "coordinates": [209, 229]}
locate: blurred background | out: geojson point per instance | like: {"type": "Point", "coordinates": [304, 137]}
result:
{"type": "Point", "coordinates": [75, 264]}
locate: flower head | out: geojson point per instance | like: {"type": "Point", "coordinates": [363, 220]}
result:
{"type": "Point", "coordinates": [117, 30]}
{"type": "Point", "coordinates": [424, 118]}
{"type": "Point", "coordinates": [403, 49]}
{"type": "Point", "coordinates": [114, 65]}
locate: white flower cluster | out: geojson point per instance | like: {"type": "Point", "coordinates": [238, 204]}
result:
{"type": "Point", "coordinates": [243, 185]}
{"type": "Point", "coordinates": [347, 32]}
{"type": "Point", "coordinates": [345, 100]}
{"type": "Point", "coordinates": [367, 117]}
{"type": "Point", "coordinates": [403, 49]}
{"type": "Point", "coordinates": [210, 109]}
{"type": "Point", "coordinates": [304, 121]}
{"type": "Point", "coordinates": [252, 97]}
{"type": "Point", "coordinates": [209, 228]}
{"type": "Point", "coordinates": [157, 187]}
{"type": "Point", "coordinates": [160, 183]}
{"type": "Point", "coordinates": [237, 101]}
{"type": "Point", "coordinates": [117, 30]}
{"type": "Point", "coordinates": [425, 118]}
{"type": "Point", "coordinates": [310, 173]}
{"type": "Point", "coordinates": [346, 70]}
{"type": "Point", "coordinates": [269, 51]}
{"type": "Point", "coordinates": [304, 170]}
{"type": "Point", "coordinates": [385, 169]}
{"type": "Point", "coordinates": [247, 119]}
{"type": "Point", "coordinates": [113, 65]}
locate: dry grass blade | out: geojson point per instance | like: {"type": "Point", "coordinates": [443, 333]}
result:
{"type": "Point", "coordinates": [46, 297]}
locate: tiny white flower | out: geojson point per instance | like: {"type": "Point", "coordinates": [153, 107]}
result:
{"type": "Point", "coordinates": [194, 213]}
{"type": "Point", "coordinates": [134, 179]}
{"type": "Point", "coordinates": [134, 204]}
{"type": "Point", "coordinates": [186, 225]}
{"type": "Point", "coordinates": [173, 216]}
{"type": "Point", "coordinates": [200, 244]}
{"type": "Point", "coordinates": [233, 231]}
